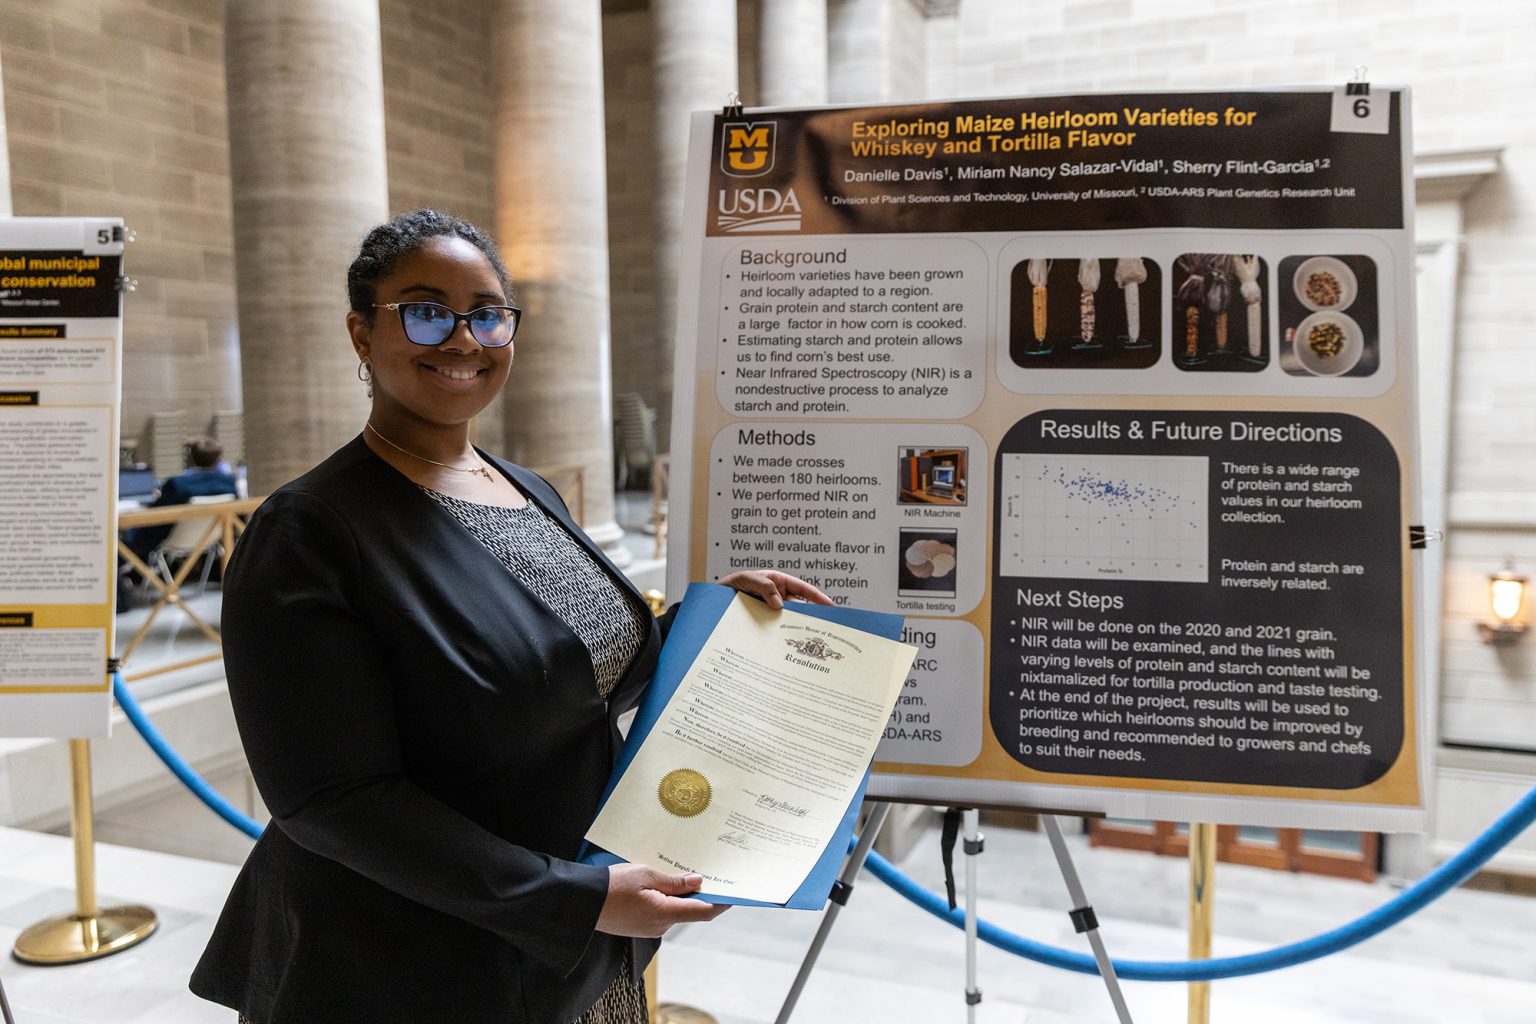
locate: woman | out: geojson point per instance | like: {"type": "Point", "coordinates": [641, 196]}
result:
{"type": "Point", "coordinates": [426, 659]}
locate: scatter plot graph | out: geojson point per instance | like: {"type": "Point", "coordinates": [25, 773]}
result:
{"type": "Point", "coordinates": [1126, 517]}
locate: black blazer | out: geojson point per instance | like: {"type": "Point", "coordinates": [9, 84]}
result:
{"type": "Point", "coordinates": [429, 739]}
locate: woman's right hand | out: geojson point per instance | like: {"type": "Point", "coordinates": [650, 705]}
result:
{"type": "Point", "coordinates": [643, 902]}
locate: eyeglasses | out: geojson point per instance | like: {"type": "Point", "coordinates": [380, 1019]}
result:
{"type": "Point", "coordinates": [432, 323]}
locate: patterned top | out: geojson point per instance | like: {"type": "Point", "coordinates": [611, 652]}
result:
{"type": "Point", "coordinates": [563, 575]}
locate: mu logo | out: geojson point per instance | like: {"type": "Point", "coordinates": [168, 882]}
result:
{"type": "Point", "coordinates": [746, 147]}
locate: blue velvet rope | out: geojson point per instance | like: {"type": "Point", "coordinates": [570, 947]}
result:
{"type": "Point", "coordinates": [1432, 886]}
{"type": "Point", "coordinates": [183, 771]}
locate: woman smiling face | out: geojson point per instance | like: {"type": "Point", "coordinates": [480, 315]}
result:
{"type": "Point", "coordinates": [417, 387]}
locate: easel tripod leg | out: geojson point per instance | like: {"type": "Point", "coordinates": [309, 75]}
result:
{"type": "Point", "coordinates": [974, 843]}
{"type": "Point", "coordinates": [840, 891]}
{"type": "Point", "coordinates": [1083, 917]}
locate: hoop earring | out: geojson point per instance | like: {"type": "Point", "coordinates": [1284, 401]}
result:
{"type": "Point", "coordinates": [365, 374]}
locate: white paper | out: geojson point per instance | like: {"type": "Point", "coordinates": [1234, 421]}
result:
{"type": "Point", "coordinates": [757, 754]}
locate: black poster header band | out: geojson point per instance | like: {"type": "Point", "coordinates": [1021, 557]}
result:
{"type": "Point", "coordinates": [1249, 160]}
{"type": "Point", "coordinates": [58, 284]}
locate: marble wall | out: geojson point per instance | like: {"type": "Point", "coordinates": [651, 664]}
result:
{"type": "Point", "coordinates": [116, 108]}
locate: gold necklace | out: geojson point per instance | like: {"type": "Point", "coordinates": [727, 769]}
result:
{"type": "Point", "coordinates": [479, 470]}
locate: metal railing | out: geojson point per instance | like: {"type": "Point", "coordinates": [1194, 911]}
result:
{"type": "Point", "coordinates": [226, 521]}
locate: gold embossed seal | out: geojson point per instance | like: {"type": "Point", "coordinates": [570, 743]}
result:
{"type": "Point", "coordinates": [683, 792]}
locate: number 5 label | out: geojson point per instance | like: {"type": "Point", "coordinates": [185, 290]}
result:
{"type": "Point", "coordinates": [1360, 111]}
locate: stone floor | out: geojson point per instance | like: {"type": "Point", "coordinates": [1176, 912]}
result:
{"type": "Point", "coordinates": [1467, 959]}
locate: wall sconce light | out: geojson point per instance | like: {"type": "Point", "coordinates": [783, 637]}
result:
{"type": "Point", "coordinates": [1506, 593]}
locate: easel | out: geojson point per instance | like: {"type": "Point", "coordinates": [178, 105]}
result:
{"type": "Point", "coordinates": [1083, 917]}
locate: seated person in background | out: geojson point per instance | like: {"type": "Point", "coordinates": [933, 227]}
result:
{"type": "Point", "coordinates": [203, 477]}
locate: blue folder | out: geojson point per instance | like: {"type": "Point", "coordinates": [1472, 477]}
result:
{"type": "Point", "coordinates": [703, 605]}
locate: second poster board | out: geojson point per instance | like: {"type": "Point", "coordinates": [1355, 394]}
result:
{"type": "Point", "coordinates": [60, 392]}
{"type": "Point", "coordinates": [1112, 397]}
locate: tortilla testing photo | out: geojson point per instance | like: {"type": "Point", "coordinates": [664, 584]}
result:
{"type": "Point", "coordinates": [928, 563]}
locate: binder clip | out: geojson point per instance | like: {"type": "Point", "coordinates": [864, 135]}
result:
{"type": "Point", "coordinates": [1419, 537]}
{"type": "Point", "coordinates": [121, 233]}
{"type": "Point", "coordinates": [733, 104]}
{"type": "Point", "coordinates": [1358, 86]}
{"type": "Point", "coordinates": [127, 284]}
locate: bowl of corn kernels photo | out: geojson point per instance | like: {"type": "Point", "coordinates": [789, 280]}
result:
{"type": "Point", "coordinates": [1329, 344]}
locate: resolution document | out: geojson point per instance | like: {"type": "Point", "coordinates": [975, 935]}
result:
{"type": "Point", "coordinates": [757, 753]}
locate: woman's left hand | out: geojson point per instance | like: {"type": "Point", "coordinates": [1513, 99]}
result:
{"type": "Point", "coordinates": [774, 587]}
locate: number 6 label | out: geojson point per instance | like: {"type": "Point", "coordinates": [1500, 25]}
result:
{"type": "Point", "coordinates": [1360, 110]}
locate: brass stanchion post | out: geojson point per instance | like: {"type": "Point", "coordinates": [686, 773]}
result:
{"type": "Point", "coordinates": [1202, 913]}
{"type": "Point", "coordinates": [90, 932]}
{"type": "Point", "coordinates": [677, 1013]}
{"type": "Point", "coordinates": [669, 1013]}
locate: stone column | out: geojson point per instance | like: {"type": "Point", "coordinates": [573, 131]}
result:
{"type": "Point", "coordinates": [695, 55]}
{"type": "Point", "coordinates": [552, 222]}
{"type": "Point", "coordinates": [5, 160]}
{"type": "Point", "coordinates": [877, 49]}
{"type": "Point", "coordinates": [792, 47]}
{"type": "Point", "coordinates": [307, 169]}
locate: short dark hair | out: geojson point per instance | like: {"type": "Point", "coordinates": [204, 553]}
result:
{"type": "Point", "coordinates": [386, 245]}
{"type": "Point", "coordinates": [204, 453]}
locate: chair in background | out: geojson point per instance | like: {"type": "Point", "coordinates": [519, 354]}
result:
{"type": "Point", "coordinates": [634, 427]}
{"type": "Point", "coordinates": [191, 538]}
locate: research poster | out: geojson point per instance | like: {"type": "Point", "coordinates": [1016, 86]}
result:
{"type": "Point", "coordinates": [60, 370]}
{"type": "Point", "coordinates": [1112, 397]}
